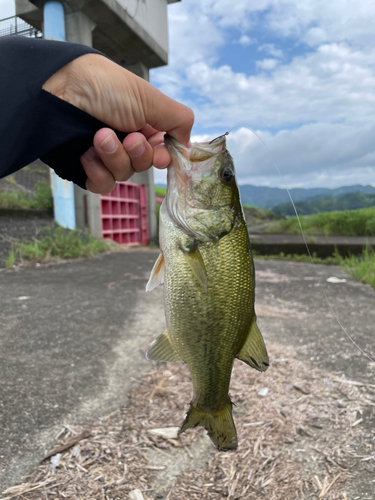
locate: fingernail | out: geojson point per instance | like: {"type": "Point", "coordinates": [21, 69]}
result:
{"type": "Point", "coordinates": [109, 144]}
{"type": "Point", "coordinates": [90, 155]}
{"type": "Point", "coordinates": [137, 150]}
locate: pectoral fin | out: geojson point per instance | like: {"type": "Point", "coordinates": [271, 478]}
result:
{"type": "Point", "coordinates": [157, 274]}
{"type": "Point", "coordinates": [194, 259]}
{"type": "Point", "coordinates": [163, 350]}
{"type": "Point", "coordinates": [254, 352]}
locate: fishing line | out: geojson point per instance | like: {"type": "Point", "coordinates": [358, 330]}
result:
{"type": "Point", "coordinates": [305, 242]}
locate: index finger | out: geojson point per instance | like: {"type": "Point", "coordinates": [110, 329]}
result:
{"type": "Point", "coordinates": [164, 113]}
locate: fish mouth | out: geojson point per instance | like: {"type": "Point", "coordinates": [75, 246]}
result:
{"type": "Point", "coordinates": [198, 152]}
{"type": "Point", "coordinates": [185, 172]}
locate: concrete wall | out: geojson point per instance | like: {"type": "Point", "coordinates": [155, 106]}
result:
{"type": "Point", "coordinates": [134, 33]}
{"type": "Point", "coordinates": [151, 15]}
{"type": "Point", "coordinates": [125, 38]}
{"type": "Point", "coordinates": [79, 29]}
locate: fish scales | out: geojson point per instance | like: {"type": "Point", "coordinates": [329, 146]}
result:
{"type": "Point", "coordinates": [212, 318]}
{"type": "Point", "coordinates": [207, 269]}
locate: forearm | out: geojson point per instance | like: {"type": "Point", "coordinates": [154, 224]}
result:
{"type": "Point", "coordinates": [34, 123]}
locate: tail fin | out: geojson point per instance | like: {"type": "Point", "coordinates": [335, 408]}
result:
{"type": "Point", "coordinates": [219, 425]}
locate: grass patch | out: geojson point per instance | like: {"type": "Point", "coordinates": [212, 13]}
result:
{"type": "Point", "coordinates": [361, 268]}
{"type": "Point", "coordinates": [260, 213]}
{"type": "Point", "coordinates": [19, 199]}
{"type": "Point", "coordinates": [347, 223]}
{"type": "Point", "coordinates": [11, 259]}
{"type": "Point", "coordinates": [159, 191]}
{"type": "Point", "coordinates": [333, 260]}
{"type": "Point", "coordinates": [55, 243]}
{"type": "Point", "coordinates": [256, 216]}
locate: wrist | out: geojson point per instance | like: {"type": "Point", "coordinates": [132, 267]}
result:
{"type": "Point", "coordinates": [73, 84]}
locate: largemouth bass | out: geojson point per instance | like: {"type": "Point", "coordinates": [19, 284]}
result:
{"type": "Point", "coordinates": [207, 269]}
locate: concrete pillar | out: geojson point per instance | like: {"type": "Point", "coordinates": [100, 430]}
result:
{"type": "Point", "coordinates": [147, 177]}
{"type": "Point", "coordinates": [139, 69]}
{"type": "Point", "coordinates": [53, 20]}
{"type": "Point", "coordinates": [79, 29]}
{"type": "Point", "coordinates": [63, 191]}
{"type": "Point", "coordinates": [87, 205]}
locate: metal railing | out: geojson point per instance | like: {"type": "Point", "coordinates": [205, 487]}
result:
{"type": "Point", "coordinates": [16, 26]}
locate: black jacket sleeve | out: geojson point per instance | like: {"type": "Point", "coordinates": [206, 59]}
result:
{"type": "Point", "coordinates": [34, 123]}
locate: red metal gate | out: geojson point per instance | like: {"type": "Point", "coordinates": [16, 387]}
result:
{"type": "Point", "coordinates": [124, 214]}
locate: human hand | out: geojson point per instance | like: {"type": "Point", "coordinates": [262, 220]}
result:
{"type": "Point", "coordinates": [127, 103]}
{"type": "Point", "coordinates": [109, 160]}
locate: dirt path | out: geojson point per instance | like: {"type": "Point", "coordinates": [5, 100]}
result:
{"type": "Point", "coordinates": [73, 337]}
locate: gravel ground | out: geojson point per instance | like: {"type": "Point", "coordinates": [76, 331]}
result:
{"type": "Point", "coordinates": [20, 225]}
{"type": "Point", "coordinates": [73, 337]}
{"type": "Point", "coordinates": [299, 440]}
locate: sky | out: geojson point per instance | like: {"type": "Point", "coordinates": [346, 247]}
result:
{"type": "Point", "coordinates": [300, 74]}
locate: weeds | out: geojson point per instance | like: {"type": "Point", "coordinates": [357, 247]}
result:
{"type": "Point", "coordinates": [160, 191]}
{"type": "Point", "coordinates": [58, 243]}
{"type": "Point", "coordinates": [42, 197]}
{"type": "Point", "coordinates": [349, 223]}
{"type": "Point", "coordinates": [11, 259]}
{"type": "Point", "coordinates": [19, 199]}
{"type": "Point", "coordinates": [361, 268]}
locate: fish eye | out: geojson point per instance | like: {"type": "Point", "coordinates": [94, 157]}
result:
{"type": "Point", "coordinates": [226, 174]}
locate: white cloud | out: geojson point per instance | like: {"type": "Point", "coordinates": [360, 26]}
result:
{"type": "Point", "coordinates": [313, 155]}
{"type": "Point", "coordinates": [160, 176]}
{"type": "Point", "coordinates": [318, 105]}
{"type": "Point", "coordinates": [270, 49]}
{"type": "Point", "coordinates": [332, 84]}
{"type": "Point", "coordinates": [267, 64]}
{"type": "Point", "coordinates": [314, 21]}
{"type": "Point", "coordinates": [245, 40]}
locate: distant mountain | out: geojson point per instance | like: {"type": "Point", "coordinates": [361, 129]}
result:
{"type": "Point", "coordinates": [266, 197]}
{"type": "Point", "coordinates": [350, 201]}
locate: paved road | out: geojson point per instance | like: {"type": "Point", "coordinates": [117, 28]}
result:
{"type": "Point", "coordinates": [73, 335]}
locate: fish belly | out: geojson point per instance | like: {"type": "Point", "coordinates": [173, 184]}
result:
{"type": "Point", "coordinates": [209, 327]}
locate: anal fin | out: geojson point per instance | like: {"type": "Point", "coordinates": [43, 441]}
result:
{"type": "Point", "coordinates": [157, 274]}
{"type": "Point", "coordinates": [254, 352]}
{"type": "Point", "coordinates": [163, 350]}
